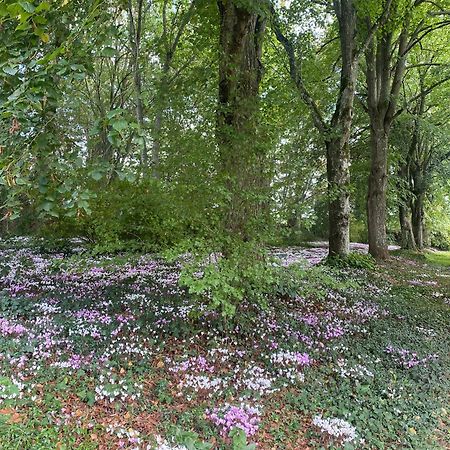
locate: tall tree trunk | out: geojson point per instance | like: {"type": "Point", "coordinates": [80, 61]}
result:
{"type": "Point", "coordinates": [336, 132]}
{"type": "Point", "coordinates": [417, 220]}
{"type": "Point", "coordinates": [338, 147]}
{"type": "Point", "coordinates": [338, 175]}
{"type": "Point", "coordinates": [376, 198]}
{"type": "Point", "coordinates": [407, 240]}
{"type": "Point", "coordinates": [159, 113]}
{"type": "Point", "coordinates": [384, 75]}
{"type": "Point", "coordinates": [240, 71]}
{"type": "Point", "coordinates": [135, 31]}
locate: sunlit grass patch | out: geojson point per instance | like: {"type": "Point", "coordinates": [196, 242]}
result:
{"type": "Point", "coordinates": [438, 257]}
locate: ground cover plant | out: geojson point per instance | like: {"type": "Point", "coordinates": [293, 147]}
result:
{"type": "Point", "coordinates": [224, 224]}
{"type": "Point", "coordinates": [104, 352]}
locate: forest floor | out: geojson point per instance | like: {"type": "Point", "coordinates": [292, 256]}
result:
{"type": "Point", "coordinates": [104, 353]}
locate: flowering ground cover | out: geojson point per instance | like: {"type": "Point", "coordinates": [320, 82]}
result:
{"type": "Point", "coordinates": [111, 353]}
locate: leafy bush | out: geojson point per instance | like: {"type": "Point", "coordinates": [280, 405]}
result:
{"type": "Point", "coordinates": [225, 282]}
{"type": "Point", "coordinates": [247, 277]}
{"type": "Point", "coordinates": [440, 239]}
{"type": "Point", "coordinates": [358, 231]}
{"type": "Point", "coordinates": [352, 260]}
{"type": "Point", "coordinates": [130, 216]}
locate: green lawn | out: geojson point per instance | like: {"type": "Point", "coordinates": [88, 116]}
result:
{"type": "Point", "coordinates": [438, 257]}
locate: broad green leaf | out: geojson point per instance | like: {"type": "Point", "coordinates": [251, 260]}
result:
{"type": "Point", "coordinates": [109, 52]}
{"type": "Point", "coordinates": [27, 6]}
{"type": "Point", "coordinates": [10, 70]}
{"type": "Point", "coordinates": [96, 175]}
{"type": "Point", "coordinates": [120, 125]}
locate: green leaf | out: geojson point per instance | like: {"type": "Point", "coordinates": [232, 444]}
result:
{"type": "Point", "coordinates": [27, 6]}
{"type": "Point", "coordinates": [14, 9]}
{"type": "Point", "coordinates": [113, 138]}
{"type": "Point", "coordinates": [96, 175]}
{"type": "Point", "coordinates": [10, 70]}
{"type": "Point", "coordinates": [131, 177]}
{"type": "Point", "coordinates": [43, 6]}
{"type": "Point", "coordinates": [109, 52]}
{"type": "Point", "coordinates": [120, 125]}
{"type": "Point", "coordinates": [21, 181]}
{"type": "Point", "coordinates": [47, 206]}
{"type": "Point", "coordinates": [114, 113]}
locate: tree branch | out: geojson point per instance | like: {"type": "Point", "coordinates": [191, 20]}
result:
{"type": "Point", "coordinates": [296, 74]}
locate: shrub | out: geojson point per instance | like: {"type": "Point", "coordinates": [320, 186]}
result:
{"type": "Point", "coordinates": [128, 215]}
{"type": "Point", "coordinates": [440, 239]}
{"type": "Point", "coordinates": [225, 282]}
{"type": "Point", "coordinates": [352, 261]}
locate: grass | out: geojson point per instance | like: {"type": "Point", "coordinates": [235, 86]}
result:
{"type": "Point", "coordinates": [435, 257]}
{"type": "Point", "coordinates": [439, 258]}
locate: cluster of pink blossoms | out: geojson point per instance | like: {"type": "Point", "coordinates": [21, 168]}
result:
{"type": "Point", "coordinates": [408, 359]}
{"type": "Point", "coordinates": [8, 328]}
{"type": "Point", "coordinates": [228, 417]}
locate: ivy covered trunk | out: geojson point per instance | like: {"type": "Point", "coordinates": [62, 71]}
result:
{"type": "Point", "coordinates": [338, 175]}
{"type": "Point", "coordinates": [241, 156]}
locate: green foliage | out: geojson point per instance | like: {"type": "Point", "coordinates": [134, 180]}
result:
{"type": "Point", "coordinates": [239, 440]}
{"type": "Point", "coordinates": [438, 258]}
{"type": "Point", "coordinates": [190, 440]}
{"type": "Point", "coordinates": [297, 280]}
{"type": "Point", "coordinates": [353, 260]}
{"type": "Point", "coordinates": [224, 283]}
{"type": "Point", "coordinates": [358, 230]}
{"type": "Point", "coordinates": [125, 215]}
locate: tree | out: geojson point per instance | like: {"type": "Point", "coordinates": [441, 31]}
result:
{"type": "Point", "coordinates": [242, 31]}
{"type": "Point", "coordinates": [136, 22]}
{"type": "Point", "coordinates": [336, 131]}
{"type": "Point", "coordinates": [421, 132]}
{"type": "Point", "coordinates": [172, 32]}
{"type": "Point", "coordinates": [407, 25]}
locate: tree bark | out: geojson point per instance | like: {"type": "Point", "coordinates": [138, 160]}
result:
{"type": "Point", "coordinates": [160, 108]}
{"type": "Point", "coordinates": [135, 31]}
{"type": "Point", "coordinates": [407, 240]}
{"type": "Point", "coordinates": [338, 148]}
{"type": "Point", "coordinates": [336, 132]}
{"type": "Point", "coordinates": [384, 81]}
{"type": "Point", "coordinates": [240, 71]}
{"type": "Point", "coordinates": [417, 220]}
{"type": "Point", "coordinates": [338, 175]}
{"type": "Point", "coordinates": [376, 197]}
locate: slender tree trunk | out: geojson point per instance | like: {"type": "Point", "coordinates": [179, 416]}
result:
{"type": "Point", "coordinates": [417, 220]}
{"type": "Point", "coordinates": [171, 36]}
{"type": "Point", "coordinates": [240, 72]}
{"type": "Point", "coordinates": [336, 132]}
{"type": "Point", "coordinates": [156, 147]}
{"type": "Point", "coordinates": [407, 240]}
{"type": "Point", "coordinates": [377, 189]}
{"type": "Point", "coordinates": [135, 31]}
{"type": "Point", "coordinates": [158, 120]}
